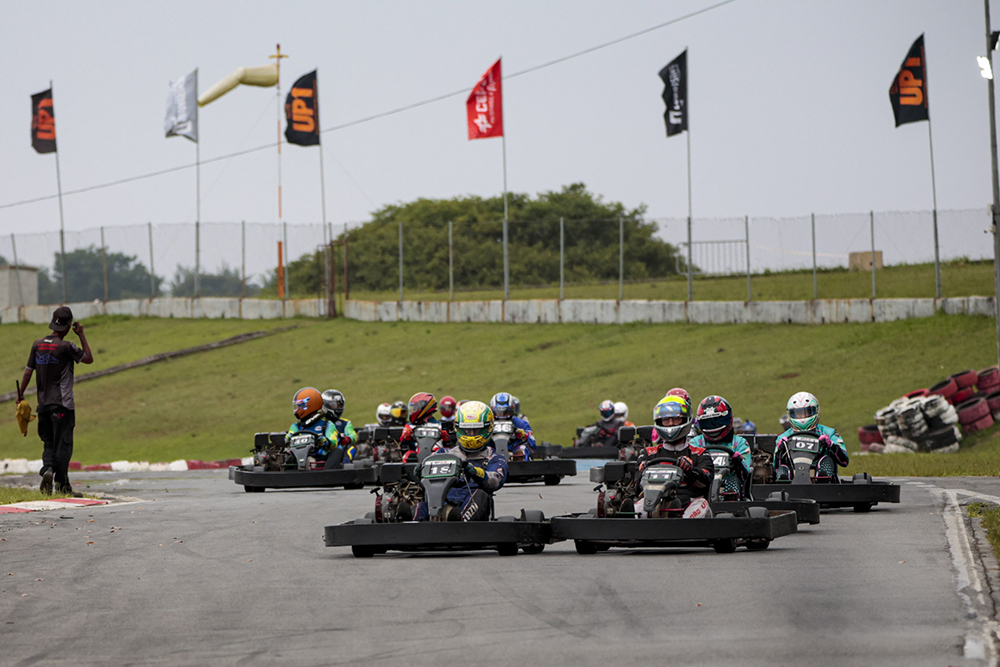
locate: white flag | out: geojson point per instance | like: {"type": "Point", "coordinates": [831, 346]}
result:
{"type": "Point", "coordinates": [182, 108]}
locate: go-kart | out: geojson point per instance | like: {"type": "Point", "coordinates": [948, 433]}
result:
{"type": "Point", "coordinates": [616, 523]}
{"type": "Point", "coordinates": [549, 469]}
{"type": "Point", "coordinates": [389, 527]}
{"type": "Point", "coordinates": [590, 445]}
{"type": "Point", "coordinates": [861, 492]}
{"type": "Point", "coordinates": [278, 465]}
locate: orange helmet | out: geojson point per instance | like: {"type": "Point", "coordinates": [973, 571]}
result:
{"type": "Point", "coordinates": [307, 402]}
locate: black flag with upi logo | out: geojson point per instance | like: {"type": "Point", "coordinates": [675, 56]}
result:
{"type": "Point", "coordinates": [43, 122]}
{"type": "Point", "coordinates": [675, 77]}
{"type": "Point", "coordinates": [302, 111]}
{"type": "Point", "coordinates": [908, 92]}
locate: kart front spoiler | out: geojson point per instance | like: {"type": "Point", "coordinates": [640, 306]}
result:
{"type": "Point", "coordinates": [254, 479]}
{"type": "Point", "coordinates": [806, 511]}
{"type": "Point", "coordinates": [438, 536]}
{"type": "Point", "coordinates": [549, 471]}
{"type": "Point", "coordinates": [844, 494]}
{"type": "Point", "coordinates": [631, 532]}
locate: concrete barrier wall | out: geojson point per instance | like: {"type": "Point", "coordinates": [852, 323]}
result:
{"type": "Point", "coordinates": [539, 311]}
{"type": "Point", "coordinates": [207, 307]}
{"type": "Point", "coordinates": [594, 311]}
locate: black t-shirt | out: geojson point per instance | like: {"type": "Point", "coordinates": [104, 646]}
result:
{"type": "Point", "coordinates": [52, 359]}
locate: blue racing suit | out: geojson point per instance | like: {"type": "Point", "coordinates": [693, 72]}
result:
{"type": "Point", "coordinates": [827, 464]}
{"type": "Point", "coordinates": [524, 443]}
{"type": "Point", "coordinates": [736, 480]}
{"type": "Point", "coordinates": [472, 501]}
{"type": "Point", "coordinates": [329, 434]}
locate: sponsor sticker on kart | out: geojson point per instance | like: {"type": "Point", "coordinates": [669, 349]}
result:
{"type": "Point", "coordinates": [804, 445]}
{"type": "Point", "coordinates": [662, 474]}
{"type": "Point", "coordinates": [439, 468]}
{"type": "Point", "coordinates": [427, 433]}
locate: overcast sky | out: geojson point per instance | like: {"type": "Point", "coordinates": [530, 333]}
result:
{"type": "Point", "coordinates": [788, 101]}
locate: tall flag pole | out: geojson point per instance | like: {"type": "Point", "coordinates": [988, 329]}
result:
{"type": "Point", "coordinates": [908, 95]}
{"type": "Point", "coordinates": [986, 63]}
{"type": "Point", "coordinates": [302, 129]}
{"type": "Point", "coordinates": [43, 140]}
{"type": "Point", "coordinates": [675, 96]}
{"type": "Point", "coordinates": [278, 55]}
{"type": "Point", "coordinates": [484, 117]}
{"type": "Point", "coordinates": [182, 121]}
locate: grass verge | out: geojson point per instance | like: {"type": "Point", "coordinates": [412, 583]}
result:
{"type": "Point", "coordinates": [21, 494]}
{"type": "Point", "coordinates": [990, 516]}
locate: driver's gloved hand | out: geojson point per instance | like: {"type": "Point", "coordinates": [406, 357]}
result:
{"type": "Point", "coordinates": [685, 463]}
{"type": "Point", "coordinates": [825, 441]}
{"type": "Point", "coordinates": [737, 458]}
{"type": "Point", "coordinates": [474, 471]}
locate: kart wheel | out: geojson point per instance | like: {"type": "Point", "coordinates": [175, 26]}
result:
{"type": "Point", "coordinates": [507, 549]}
{"type": "Point", "coordinates": [354, 485]}
{"type": "Point", "coordinates": [758, 544]}
{"type": "Point", "coordinates": [552, 480]}
{"type": "Point", "coordinates": [585, 548]}
{"type": "Point", "coordinates": [602, 547]}
{"type": "Point", "coordinates": [724, 546]}
{"type": "Point", "coordinates": [533, 548]}
{"type": "Point", "coordinates": [600, 505]}
{"type": "Point", "coordinates": [254, 489]}
{"type": "Point", "coordinates": [362, 551]}
{"type": "Point", "coordinates": [862, 508]}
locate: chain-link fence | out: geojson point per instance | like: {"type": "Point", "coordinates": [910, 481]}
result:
{"type": "Point", "coordinates": [464, 259]}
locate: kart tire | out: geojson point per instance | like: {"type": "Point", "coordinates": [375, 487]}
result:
{"type": "Point", "coordinates": [963, 395]}
{"type": "Point", "coordinates": [552, 480]}
{"type": "Point", "coordinates": [533, 548]}
{"type": "Point", "coordinates": [988, 379]}
{"type": "Point", "coordinates": [758, 544]}
{"type": "Point", "coordinates": [993, 400]}
{"type": "Point", "coordinates": [354, 486]}
{"type": "Point", "coordinates": [602, 547]}
{"type": "Point", "coordinates": [965, 379]}
{"type": "Point", "coordinates": [780, 496]}
{"type": "Point", "coordinates": [724, 546]}
{"type": "Point", "coordinates": [861, 478]}
{"type": "Point", "coordinates": [507, 549]}
{"type": "Point", "coordinates": [979, 425]}
{"type": "Point", "coordinates": [946, 389]}
{"type": "Point", "coordinates": [362, 550]}
{"type": "Point", "coordinates": [757, 512]}
{"type": "Point", "coordinates": [972, 411]}
{"type": "Point", "coordinates": [585, 548]}
{"type": "Point", "coordinates": [863, 508]}
{"type": "Point", "coordinates": [253, 489]}
{"type": "Point", "coordinates": [940, 437]}
{"type": "Point", "coordinates": [870, 434]}
{"type": "Point", "coordinates": [917, 394]}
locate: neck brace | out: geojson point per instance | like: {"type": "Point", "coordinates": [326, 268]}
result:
{"type": "Point", "coordinates": [674, 446]}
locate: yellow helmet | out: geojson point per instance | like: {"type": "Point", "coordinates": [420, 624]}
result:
{"type": "Point", "coordinates": [473, 426]}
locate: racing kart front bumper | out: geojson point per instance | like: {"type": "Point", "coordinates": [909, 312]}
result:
{"type": "Point", "coordinates": [505, 535]}
{"type": "Point", "coordinates": [254, 479]}
{"type": "Point", "coordinates": [806, 511]}
{"type": "Point", "coordinates": [549, 471]}
{"type": "Point", "coordinates": [845, 494]}
{"type": "Point", "coordinates": [633, 533]}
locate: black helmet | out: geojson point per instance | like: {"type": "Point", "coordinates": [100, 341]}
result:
{"type": "Point", "coordinates": [333, 403]}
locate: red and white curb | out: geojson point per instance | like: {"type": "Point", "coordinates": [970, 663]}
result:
{"type": "Point", "coordinates": [24, 466]}
{"type": "Point", "coordinates": [44, 505]}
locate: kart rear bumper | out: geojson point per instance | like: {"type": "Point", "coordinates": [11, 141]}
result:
{"type": "Point", "coordinates": [844, 494]}
{"type": "Point", "coordinates": [629, 532]}
{"type": "Point", "coordinates": [435, 536]}
{"type": "Point", "coordinates": [292, 479]}
{"type": "Point", "coordinates": [520, 472]}
{"type": "Point", "coordinates": [806, 511]}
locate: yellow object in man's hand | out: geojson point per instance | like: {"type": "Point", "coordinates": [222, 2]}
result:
{"type": "Point", "coordinates": [24, 417]}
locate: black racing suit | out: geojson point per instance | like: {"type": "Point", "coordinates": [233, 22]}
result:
{"type": "Point", "coordinates": [697, 481]}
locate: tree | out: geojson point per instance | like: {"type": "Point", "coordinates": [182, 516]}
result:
{"type": "Point", "coordinates": [127, 277]}
{"type": "Point", "coordinates": [591, 241]}
{"type": "Point", "coordinates": [227, 282]}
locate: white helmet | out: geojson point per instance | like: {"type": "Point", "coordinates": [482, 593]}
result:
{"type": "Point", "coordinates": [803, 411]}
{"type": "Point", "coordinates": [383, 414]}
{"type": "Point", "coordinates": [621, 410]}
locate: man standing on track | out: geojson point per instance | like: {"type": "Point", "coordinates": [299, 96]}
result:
{"type": "Point", "coordinates": [54, 358]}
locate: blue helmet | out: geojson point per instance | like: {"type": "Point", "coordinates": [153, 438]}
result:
{"type": "Point", "coordinates": [502, 405]}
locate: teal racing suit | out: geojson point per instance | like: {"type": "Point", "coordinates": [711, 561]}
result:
{"type": "Point", "coordinates": [736, 480]}
{"type": "Point", "coordinates": [836, 453]}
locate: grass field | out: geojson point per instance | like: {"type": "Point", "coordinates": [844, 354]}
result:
{"type": "Point", "coordinates": [958, 278]}
{"type": "Point", "coordinates": [208, 405]}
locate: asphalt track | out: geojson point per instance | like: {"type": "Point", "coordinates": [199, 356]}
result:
{"type": "Point", "coordinates": [202, 573]}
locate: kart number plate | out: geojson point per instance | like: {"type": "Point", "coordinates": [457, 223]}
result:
{"type": "Point", "coordinates": [503, 427]}
{"type": "Point", "coordinates": [427, 433]}
{"type": "Point", "coordinates": [720, 460]}
{"type": "Point", "coordinates": [302, 440]}
{"type": "Point", "coordinates": [656, 475]}
{"type": "Point", "coordinates": [440, 469]}
{"type": "Point", "coordinates": [804, 445]}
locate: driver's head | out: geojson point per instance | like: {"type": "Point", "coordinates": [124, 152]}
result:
{"type": "Point", "coordinates": [307, 402]}
{"type": "Point", "coordinates": [607, 410]}
{"type": "Point", "coordinates": [672, 421]}
{"type": "Point", "coordinates": [715, 419]}
{"type": "Point", "coordinates": [473, 427]}
{"type": "Point", "coordinates": [803, 411]}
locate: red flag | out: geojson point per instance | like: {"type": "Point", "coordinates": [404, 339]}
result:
{"type": "Point", "coordinates": [485, 106]}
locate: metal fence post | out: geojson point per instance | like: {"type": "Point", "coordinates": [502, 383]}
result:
{"type": "Point", "coordinates": [562, 258]}
{"type": "Point", "coordinates": [746, 225]}
{"type": "Point", "coordinates": [104, 266]}
{"type": "Point", "coordinates": [400, 260]}
{"type": "Point", "coordinates": [871, 218]}
{"type": "Point", "coordinates": [17, 274]}
{"type": "Point", "coordinates": [621, 258]}
{"type": "Point", "coordinates": [347, 283]}
{"type": "Point", "coordinates": [451, 266]}
{"type": "Point", "coordinates": [690, 275]}
{"type": "Point", "coordinates": [243, 259]}
{"type": "Point", "coordinates": [285, 237]}
{"type": "Point", "coordinates": [937, 257]}
{"type": "Point", "coordinates": [197, 259]}
{"type": "Point", "coordinates": [152, 272]}
{"type": "Point", "coordinates": [812, 218]}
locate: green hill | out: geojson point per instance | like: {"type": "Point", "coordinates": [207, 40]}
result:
{"type": "Point", "coordinates": [208, 405]}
